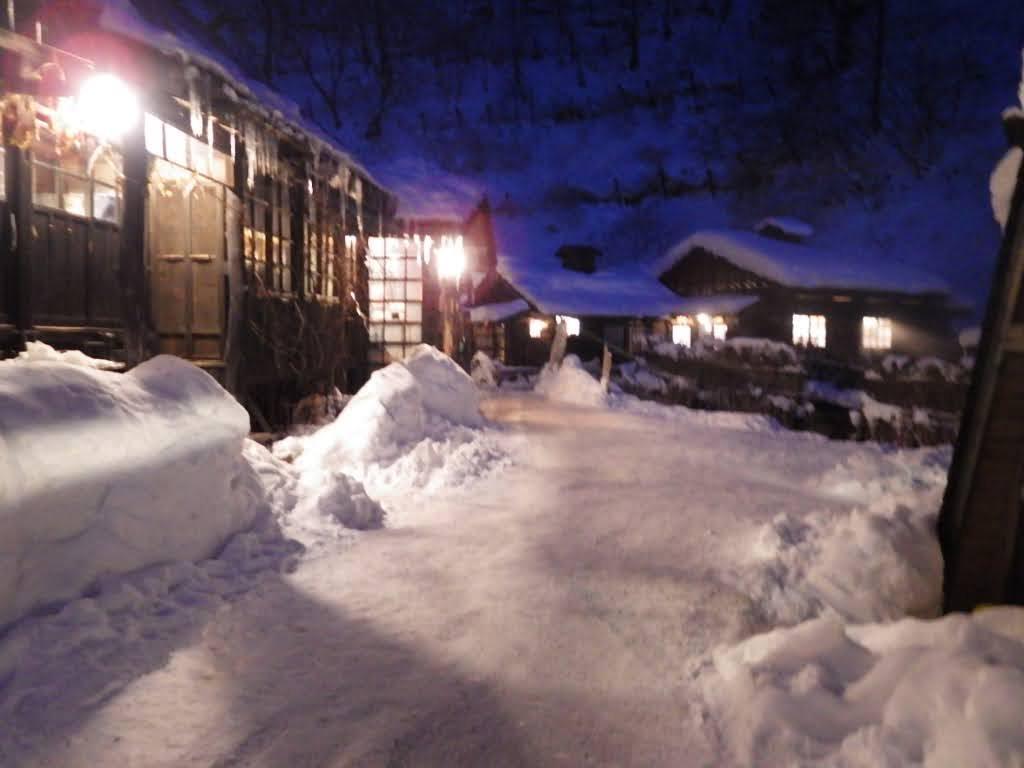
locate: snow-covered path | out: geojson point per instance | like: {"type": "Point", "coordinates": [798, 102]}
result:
{"type": "Point", "coordinates": [554, 614]}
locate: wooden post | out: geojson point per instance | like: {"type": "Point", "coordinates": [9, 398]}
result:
{"type": "Point", "coordinates": [19, 198]}
{"type": "Point", "coordinates": [606, 369]}
{"type": "Point", "coordinates": [559, 344]}
{"type": "Point", "coordinates": [133, 262]}
{"type": "Point", "coordinates": [980, 526]}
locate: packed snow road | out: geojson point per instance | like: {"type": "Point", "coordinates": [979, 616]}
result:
{"type": "Point", "coordinates": [558, 612]}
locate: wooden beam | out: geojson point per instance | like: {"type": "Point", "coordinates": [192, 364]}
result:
{"type": "Point", "coordinates": [19, 198]}
{"type": "Point", "coordinates": [980, 528]}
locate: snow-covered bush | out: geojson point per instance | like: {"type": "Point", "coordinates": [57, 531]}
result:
{"type": "Point", "coordinates": [104, 473]}
{"type": "Point", "coordinates": [570, 383]}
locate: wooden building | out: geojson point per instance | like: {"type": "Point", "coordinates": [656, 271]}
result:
{"type": "Point", "coordinates": [778, 287]}
{"type": "Point", "coordinates": [531, 288]}
{"type": "Point", "coordinates": [155, 200]}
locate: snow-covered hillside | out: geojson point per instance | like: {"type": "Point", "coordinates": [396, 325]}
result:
{"type": "Point", "coordinates": [628, 125]}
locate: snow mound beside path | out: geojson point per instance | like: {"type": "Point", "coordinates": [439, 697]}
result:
{"type": "Point", "coordinates": [104, 473]}
{"type": "Point", "coordinates": [37, 351]}
{"type": "Point", "coordinates": [570, 383]}
{"type": "Point", "coordinates": [415, 425]}
{"type": "Point", "coordinates": [314, 507]}
{"type": "Point", "coordinates": [933, 693]}
{"type": "Point", "coordinates": [876, 560]}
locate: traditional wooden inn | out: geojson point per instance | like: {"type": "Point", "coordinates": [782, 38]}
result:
{"type": "Point", "coordinates": [156, 200]}
{"type": "Point", "coordinates": [518, 305]}
{"type": "Point", "coordinates": [771, 284]}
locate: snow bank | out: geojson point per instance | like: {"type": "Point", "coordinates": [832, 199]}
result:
{"type": "Point", "coordinates": [483, 370]}
{"type": "Point", "coordinates": [570, 383]}
{"type": "Point", "coordinates": [399, 406]}
{"type": "Point", "coordinates": [37, 351]}
{"type": "Point", "coordinates": [855, 400]}
{"type": "Point", "coordinates": [316, 507]}
{"type": "Point", "coordinates": [876, 560]}
{"type": "Point", "coordinates": [104, 473]}
{"type": "Point", "coordinates": [932, 693]}
{"type": "Point", "coordinates": [415, 425]}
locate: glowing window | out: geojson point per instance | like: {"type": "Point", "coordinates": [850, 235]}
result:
{"type": "Point", "coordinates": [719, 329]}
{"type": "Point", "coordinates": [154, 130]}
{"type": "Point", "coordinates": [809, 330]}
{"type": "Point", "coordinates": [876, 333]}
{"type": "Point", "coordinates": [704, 321]}
{"type": "Point", "coordinates": [682, 334]}
{"type": "Point", "coordinates": [572, 324]}
{"type": "Point", "coordinates": [537, 327]}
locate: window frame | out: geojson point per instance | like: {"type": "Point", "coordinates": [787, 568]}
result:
{"type": "Point", "coordinates": [805, 334]}
{"type": "Point", "coordinates": [876, 336]}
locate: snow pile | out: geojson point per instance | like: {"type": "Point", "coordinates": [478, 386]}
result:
{"type": "Point", "coordinates": [875, 561]}
{"type": "Point", "coordinates": [932, 693]}
{"type": "Point", "coordinates": [37, 351]}
{"type": "Point", "coordinates": [570, 383]}
{"type": "Point", "coordinates": [415, 425]}
{"type": "Point", "coordinates": [105, 473]}
{"type": "Point", "coordinates": [314, 507]}
{"type": "Point", "coordinates": [856, 400]}
{"type": "Point", "coordinates": [129, 625]}
{"type": "Point", "coordinates": [483, 371]}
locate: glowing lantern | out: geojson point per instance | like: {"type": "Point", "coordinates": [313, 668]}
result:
{"type": "Point", "coordinates": [451, 258]}
{"type": "Point", "coordinates": [107, 107]}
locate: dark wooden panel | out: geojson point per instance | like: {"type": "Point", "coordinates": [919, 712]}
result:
{"type": "Point", "coordinates": [104, 277]}
{"type": "Point", "coordinates": [169, 294]}
{"type": "Point", "coordinates": [6, 262]}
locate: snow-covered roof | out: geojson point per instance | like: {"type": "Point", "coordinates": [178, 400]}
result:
{"type": "Point", "coordinates": [787, 225]}
{"type": "Point", "coordinates": [494, 313]}
{"type": "Point", "coordinates": [802, 266]}
{"type": "Point", "coordinates": [122, 18]}
{"type": "Point", "coordinates": [526, 260]}
{"type": "Point", "coordinates": [617, 292]}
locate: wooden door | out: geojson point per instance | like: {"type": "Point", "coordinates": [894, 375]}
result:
{"type": "Point", "coordinates": [187, 265]}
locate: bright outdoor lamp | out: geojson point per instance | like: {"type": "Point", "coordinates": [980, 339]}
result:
{"type": "Point", "coordinates": [106, 106]}
{"type": "Point", "coordinates": [451, 258]}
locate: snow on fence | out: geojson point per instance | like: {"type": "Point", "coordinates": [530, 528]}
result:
{"type": "Point", "coordinates": [104, 473]}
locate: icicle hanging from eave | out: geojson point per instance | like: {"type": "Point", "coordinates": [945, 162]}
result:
{"type": "Point", "coordinates": [357, 195]}
{"type": "Point", "coordinates": [1020, 90]}
{"type": "Point", "coordinates": [195, 107]}
{"type": "Point", "coordinates": [209, 140]}
{"type": "Point", "coordinates": [249, 137]}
